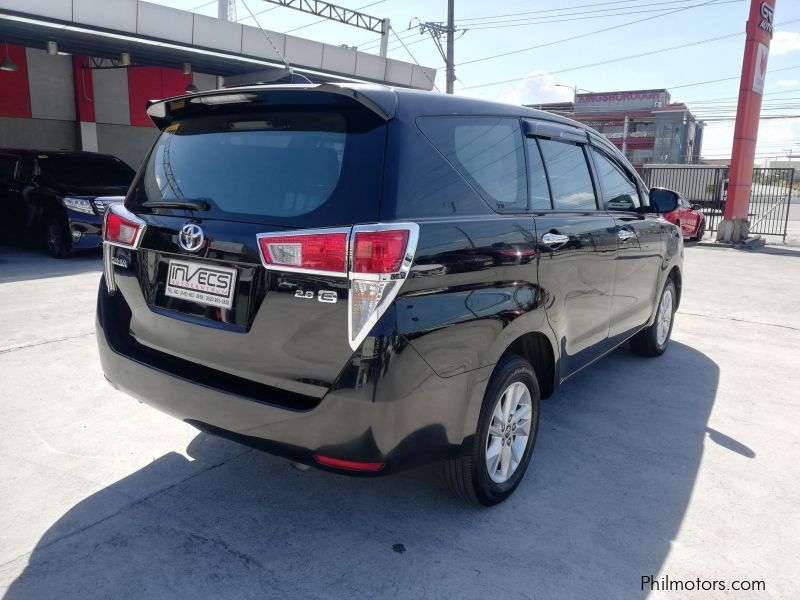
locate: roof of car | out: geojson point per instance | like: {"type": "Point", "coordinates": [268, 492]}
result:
{"type": "Point", "coordinates": [34, 152]}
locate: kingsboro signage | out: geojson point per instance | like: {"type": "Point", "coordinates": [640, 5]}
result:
{"type": "Point", "coordinates": [621, 96]}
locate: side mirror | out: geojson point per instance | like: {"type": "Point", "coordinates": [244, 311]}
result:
{"type": "Point", "coordinates": [663, 200]}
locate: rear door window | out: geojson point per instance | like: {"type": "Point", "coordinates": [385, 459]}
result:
{"type": "Point", "coordinates": [568, 172]}
{"type": "Point", "coordinates": [488, 152]}
{"type": "Point", "coordinates": [298, 167]}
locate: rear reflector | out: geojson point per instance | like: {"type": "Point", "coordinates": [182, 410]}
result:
{"type": "Point", "coordinates": [122, 227]}
{"type": "Point", "coordinates": [379, 251]}
{"type": "Point", "coordinates": [351, 465]}
{"type": "Point", "coordinates": [320, 251]}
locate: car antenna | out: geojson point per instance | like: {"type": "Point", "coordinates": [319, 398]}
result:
{"type": "Point", "coordinates": [269, 39]}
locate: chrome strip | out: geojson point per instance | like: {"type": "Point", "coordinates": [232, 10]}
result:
{"type": "Point", "coordinates": [108, 268]}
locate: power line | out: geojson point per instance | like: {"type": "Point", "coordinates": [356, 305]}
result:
{"type": "Point", "coordinates": [630, 57]}
{"type": "Point", "coordinates": [551, 10]}
{"type": "Point", "coordinates": [415, 60]}
{"type": "Point", "coordinates": [590, 33]}
{"type": "Point", "coordinates": [578, 16]}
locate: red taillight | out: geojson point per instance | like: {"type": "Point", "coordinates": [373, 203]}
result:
{"type": "Point", "coordinates": [308, 251]}
{"type": "Point", "coordinates": [120, 229]}
{"type": "Point", "coordinates": [351, 465]}
{"type": "Point", "coordinates": [379, 251]}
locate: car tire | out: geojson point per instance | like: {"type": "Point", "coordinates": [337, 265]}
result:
{"type": "Point", "coordinates": [701, 230]}
{"type": "Point", "coordinates": [481, 477]}
{"type": "Point", "coordinates": [653, 340]}
{"type": "Point", "coordinates": [56, 241]}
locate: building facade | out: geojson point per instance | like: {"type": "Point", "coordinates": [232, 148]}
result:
{"type": "Point", "coordinates": [658, 131]}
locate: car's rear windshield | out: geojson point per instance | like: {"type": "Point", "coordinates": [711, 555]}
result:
{"type": "Point", "coordinates": [297, 166]}
{"type": "Point", "coordinates": [85, 171]}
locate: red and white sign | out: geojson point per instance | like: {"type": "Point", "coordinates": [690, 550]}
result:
{"type": "Point", "coordinates": [761, 69]}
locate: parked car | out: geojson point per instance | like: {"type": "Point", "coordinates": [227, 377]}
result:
{"type": "Point", "coordinates": [689, 218]}
{"type": "Point", "coordinates": [56, 198]}
{"type": "Point", "coordinates": [364, 279]}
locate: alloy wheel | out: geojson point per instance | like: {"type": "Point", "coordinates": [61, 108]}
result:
{"type": "Point", "coordinates": [509, 432]}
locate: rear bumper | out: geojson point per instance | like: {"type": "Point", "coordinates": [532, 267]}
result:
{"type": "Point", "coordinates": [401, 415]}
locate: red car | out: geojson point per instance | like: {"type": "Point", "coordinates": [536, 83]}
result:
{"type": "Point", "coordinates": [691, 220]}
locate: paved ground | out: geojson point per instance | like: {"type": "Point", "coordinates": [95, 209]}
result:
{"type": "Point", "coordinates": [684, 466]}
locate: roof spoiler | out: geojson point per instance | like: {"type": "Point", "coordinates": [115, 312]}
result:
{"type": "Point", "coordinates": [379, 99]}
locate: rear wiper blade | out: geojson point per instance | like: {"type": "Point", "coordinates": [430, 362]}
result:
{"type": "Point", "coordinates": [188, 204]}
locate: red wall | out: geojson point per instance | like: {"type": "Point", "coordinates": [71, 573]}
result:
{"type": "Point", "coordinates": [84, 88]}
{"type": "Point", "coordinates": [152, 83]}
{"type": "Point", "coordinates": [15, 95]}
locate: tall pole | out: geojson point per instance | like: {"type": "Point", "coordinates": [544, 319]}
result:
{"type": "Point", "coordinates": [735, 226]}
{"type": "Point", "coordinates": [625, 134]}
{"type": "Point", "coordinates": [387, 27]}
{"type": "Point", "coordinates": [451, 70]}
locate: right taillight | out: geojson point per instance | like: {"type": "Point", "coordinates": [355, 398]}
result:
{"type": "Point", "coordinates": [376, 258]}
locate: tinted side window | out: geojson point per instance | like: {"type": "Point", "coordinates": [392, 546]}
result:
{"type": "Point", "coordinates": [619, 192]}
{"type": "Point", "coordinates": [538, 191]}
{"type": "Point", "coordinates": [488, 152]}
{"type": "Point", "coordinates": [570, 181]}
{"type": "Point", "coordinates": [7, 167]}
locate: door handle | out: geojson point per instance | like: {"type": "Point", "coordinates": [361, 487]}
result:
{"type": "Point", "coordinates": [624, 235]}
{"type": "Point", "coordinates": [554, 239]}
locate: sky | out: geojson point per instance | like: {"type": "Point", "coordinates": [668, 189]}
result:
{"type": "Point", "coordinates": [515, 26]}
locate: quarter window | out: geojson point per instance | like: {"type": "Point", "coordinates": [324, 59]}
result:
{"type": "Point", "coordinates": [568, 171]}
{"type": "Point", "coordinates": [619, 192]}
{"type": "Point", "coordinates": [488, 152]}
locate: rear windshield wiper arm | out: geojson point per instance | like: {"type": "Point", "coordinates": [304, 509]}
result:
{"type": "Point", "coordinates": [188, 204]}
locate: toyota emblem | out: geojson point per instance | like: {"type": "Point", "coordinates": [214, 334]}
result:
{"type": "Point", "coordinates": [191, 237]}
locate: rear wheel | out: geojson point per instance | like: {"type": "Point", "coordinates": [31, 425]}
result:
{"type": "Point", "coordinates": [701, 230]}
{"type": "Point", "coordinates": [506, 435]}
{"type": "Point", "coordinates": [653, 340]}
{"type": "Point", "coordinates": [56, 240]}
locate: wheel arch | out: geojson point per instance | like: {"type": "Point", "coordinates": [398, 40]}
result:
{"type": "Point", "coordinates": [675, 275]}
{"type": "Point", "coordinates": [536, 348]}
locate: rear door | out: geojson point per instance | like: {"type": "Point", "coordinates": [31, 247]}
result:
{"type": "Point", "coordinates": [214, 182]}
{"type": "Point", "coordinates": [638, 238]}
{"type": "Point", "coordinates": [576, 246]}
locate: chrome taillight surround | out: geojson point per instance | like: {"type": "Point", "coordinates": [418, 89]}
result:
{"type": "Point", "coordinates": [108, 246]}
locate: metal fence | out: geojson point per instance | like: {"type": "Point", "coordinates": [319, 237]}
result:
{"type": "Point", "coordinates": [707, 188]}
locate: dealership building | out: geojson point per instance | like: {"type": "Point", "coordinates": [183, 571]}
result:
{"type": "Point", "coordinates": [76, 74]}
{"type": "Point", "coordinates": [658, 131]}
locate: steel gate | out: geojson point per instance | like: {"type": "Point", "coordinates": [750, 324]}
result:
{"type": "Point", "coordinates": [707, 188]}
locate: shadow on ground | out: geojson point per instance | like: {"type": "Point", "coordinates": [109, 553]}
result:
{"type": "Point", "coordinates": [618, 452]}
{"type": "Point", "coordinates": [23, 263]}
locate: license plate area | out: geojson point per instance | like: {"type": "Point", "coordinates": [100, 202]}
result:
{"type": "Point", "coordinates": [203, 283]}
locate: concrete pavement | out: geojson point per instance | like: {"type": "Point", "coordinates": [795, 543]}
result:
{"type": "Point", "coordinates": [684, 466]}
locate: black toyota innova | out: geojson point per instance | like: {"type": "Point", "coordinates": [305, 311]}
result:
{"type": "Point", "coordinates": [363, 279]}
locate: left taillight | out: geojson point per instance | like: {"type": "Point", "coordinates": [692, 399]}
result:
{"type": "Point", "coordinates": [376, 258]}
{"type": "Point", "coordinates": [122, 228]}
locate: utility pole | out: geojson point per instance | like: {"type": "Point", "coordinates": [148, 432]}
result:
{"type": "Point", "coordinates": [625, 135]}
{"type": "Point", "coordinates": [451, 68]}
{"type": "Point", "coordinates": [437, 31]}
{"type": "Point", "coordinates": [387, 27]}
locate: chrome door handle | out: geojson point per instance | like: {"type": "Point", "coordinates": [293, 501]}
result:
{"type": "Point", "coordinates": [625, 235]}
{"type": "Point", "coordinates": [553, 239]}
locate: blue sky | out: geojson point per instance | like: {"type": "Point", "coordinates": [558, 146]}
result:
{"type": "Point", "coordinates": [496, 27]}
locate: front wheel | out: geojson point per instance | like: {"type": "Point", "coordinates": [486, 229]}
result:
{"type": "Point", "coordinates": [653, 340]}
{"type": "Point", "coordinates": [57, 243]}
{"type": "Point", "coordinates": [506, 435]}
